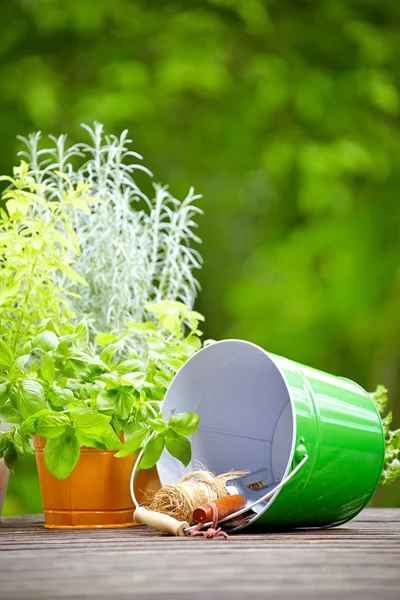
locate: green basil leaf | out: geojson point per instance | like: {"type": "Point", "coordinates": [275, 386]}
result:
{"type": "Point", "coordinates": [105, 401]}
{"type": "Point", "coordinates": [129, 366]}
{"type": "Point", "coordinates": [184, 423]}
{"type": "Point", "coordinates": [116, 425]}
{"type": "Point", "coordinates": [45, 341]}
{"type": "Point", "coordinates": [134, 442]}
{"type": "Point", "coordinates": [89, 422]}
{"type": "Point", "coordinates": [57, 396]}
{"type": "Point", "coordinates": [157, 425]}
{"type": "Point", "coordinates": [18, 442]}
{"type": "Point", "coordinates": [18, 366]}
{"type": "Point", "coordinates": [61, 455]}
{"type": "Point", "coordinates": [4, 439]}
{"type": "Point", "coordinates": [30, 397]}
{"type": "Point", "coordinates": [6, 356]}
{"type": "Point", "coordinates": [28, 426]}
{"type": "Point", "coordinates": [135, 379]}
{"type": "Point", "coordinates": [89, 441]}
{"type": "Point", "coordinates": [4, 393]}
{"type": "Point", "coordinates": [111, 380]}
{"type": "Point", "coordinates": [52, 426]}
{"type": "Point", "coordinates": [109, 351]}
{"type": "Point", "coordinates": [152, 452]}
{"type": "Point", "coordinates": [9, 414]}
{"type": "Point", "coordinates": [62, 382]}
{"type": "Point", "coordinates": [179, 447]}
{"type": "Point", "coordinates": [10, 456]}
{"type": "Point", "coordinates": [47, 369]}
{"type": "Point", "coordinates": [110, 439]}
{"type": "Point", "coordinates": [123, 404]}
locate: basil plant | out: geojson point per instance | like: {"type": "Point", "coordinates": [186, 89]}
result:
{"type": "Point", "coordinates": [104, 395]}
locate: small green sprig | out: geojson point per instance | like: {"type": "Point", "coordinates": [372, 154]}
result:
{"type": "Point", "coordinates": [60, 388]}
{"type": "Point", "coordinates": [391, 469]}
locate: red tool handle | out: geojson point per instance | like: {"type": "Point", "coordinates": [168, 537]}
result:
{"type": "Point", "coordinates": [226, 506]}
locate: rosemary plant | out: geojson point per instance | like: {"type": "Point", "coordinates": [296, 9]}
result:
{"type": "Point", "coordinates": [134, 249]}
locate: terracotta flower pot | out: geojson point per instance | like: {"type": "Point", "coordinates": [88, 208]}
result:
{"type": "Point", "coordinates": [4, 474]}
{"type": "Point", "coordinates": [96, 494]}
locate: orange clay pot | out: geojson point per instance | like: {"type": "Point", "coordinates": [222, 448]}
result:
{"type": "Point", "coordinates": [96, 494]}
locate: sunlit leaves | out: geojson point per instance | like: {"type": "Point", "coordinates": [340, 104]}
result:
{"type": "Point", "coordinates": [61, 455]}
{"type": "Point", "coordinates": [30, 397]}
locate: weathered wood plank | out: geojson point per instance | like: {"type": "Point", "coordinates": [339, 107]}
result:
{"type": "Point", "coordinates": [358, 560]}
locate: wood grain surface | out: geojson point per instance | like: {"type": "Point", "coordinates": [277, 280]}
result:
{"type": "Point", "coordinates": [358, 560]}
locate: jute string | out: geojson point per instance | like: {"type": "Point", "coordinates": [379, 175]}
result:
{"type": "Point", "coordinates": [180, 500]}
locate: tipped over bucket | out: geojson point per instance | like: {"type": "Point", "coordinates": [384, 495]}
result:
{"type": "Point", "coordinates": [267, 415]}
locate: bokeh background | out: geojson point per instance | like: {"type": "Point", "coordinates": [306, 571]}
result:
{"type": "Point", "coordinates": [284, 115]}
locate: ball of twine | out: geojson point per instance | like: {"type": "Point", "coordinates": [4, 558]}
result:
{"type": "Point", "coordinates": [180, 500]}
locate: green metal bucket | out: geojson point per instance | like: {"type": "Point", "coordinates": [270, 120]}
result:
{"type": "Point", "coordinates": [315, 440]}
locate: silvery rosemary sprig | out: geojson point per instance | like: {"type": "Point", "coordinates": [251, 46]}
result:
{"type": "Point", "coordinates": [134, 249]}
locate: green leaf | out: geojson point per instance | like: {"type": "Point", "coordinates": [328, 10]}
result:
{"type": "Point", "coordinates": [103, 339]}
{"type": "Point", "coordinates": [18, 442]}
{"type": "Point", "coordinates": [47, 368]}
{"type": "Point", "coordinates": [52, 426]}
{"type": "Point", "coordinates": [131, 365]}
{"type": "Point", "coordinates": [157, 425]}
{"type": "Point", "coordinates": [28, 426]}
{"type": "Point", "coordinates": [89, 422]}
{"type": "Point", "coordinates": [134, 442]}
{"type": "Point", "coordinates": [105, 401]}
{"type": "Point", "coordinates": [64, 242]}
{"type": "Point", "coordinates": [30, 397]}
{"type": "Point", "coordinates": [9, 292]}
{"type": "Point", "coordinates": [4, 393]}
{"type": "Point", "coordinates": [184, 423]}
{"type": "Point", "coordinates": [5, 437]}
{"type": "Point", "coordinates": [111, 380]}
{"type": "Point", "coordinates": [15, 206]}
{"type": "Point", "coordinates": [135, 379]}
{"type": "Point", "coordinates": [123, 404]}
{"type": "Point", "coordinates": [152, 452]}
{"type": "Point", "coordinates": [107, 441]}
{"type": "Point", "coordinates": [9, 414]}
{"type": "Point", "coordinates": [61, 455]}
{"type": "Point", "coordinates": [45, 341]}
{"type": "Point", "coordinates": [73, 275]}
{"type": "Point", "coordinates": [58, 396]}
{"type": "Point", "coordinates": [10, 456]}
{"type": "Point", "coordinates": [179, 447]}
{"type": "Point", "coordinates": [110, 439]}
{"type": "Point", "coordinates": [18, 366]}
{"type": "Point", "coordinates": [6, 356]}
{"type": "Point", "coordinates": [109, 352]}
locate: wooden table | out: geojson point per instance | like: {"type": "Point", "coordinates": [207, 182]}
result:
{"type": "Point", "coordinates": [358, 560]}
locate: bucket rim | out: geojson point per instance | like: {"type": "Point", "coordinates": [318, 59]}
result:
{"type": "Point", "coordinates": [271, 357]}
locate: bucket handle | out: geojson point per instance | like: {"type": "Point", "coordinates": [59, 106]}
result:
{"type": "Point", "coordinates": [229, 517]}
{"type": "Point", "coordinates": [263, 498]}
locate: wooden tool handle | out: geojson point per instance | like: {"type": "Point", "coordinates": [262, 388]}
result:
{"type": "Point", "coordinates": [159, 521]}
{"type": "Point", "coordinates": [226, 506]}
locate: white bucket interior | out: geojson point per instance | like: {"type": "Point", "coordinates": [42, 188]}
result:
{"type": "Point", "coordinates": [246, 415]}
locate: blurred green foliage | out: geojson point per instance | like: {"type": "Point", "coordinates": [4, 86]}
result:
{"type": "Point", "coordinates": [285, 115]}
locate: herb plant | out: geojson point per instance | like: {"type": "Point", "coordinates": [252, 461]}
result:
{"type": "Point", "coordinates": [56, 386]}
{"type": "Point", "coordinates": [135, 249]}
{"type": "Point", "coordinates": [37, 243]}
{"type": "Point", "coordinates": [391, 468]}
